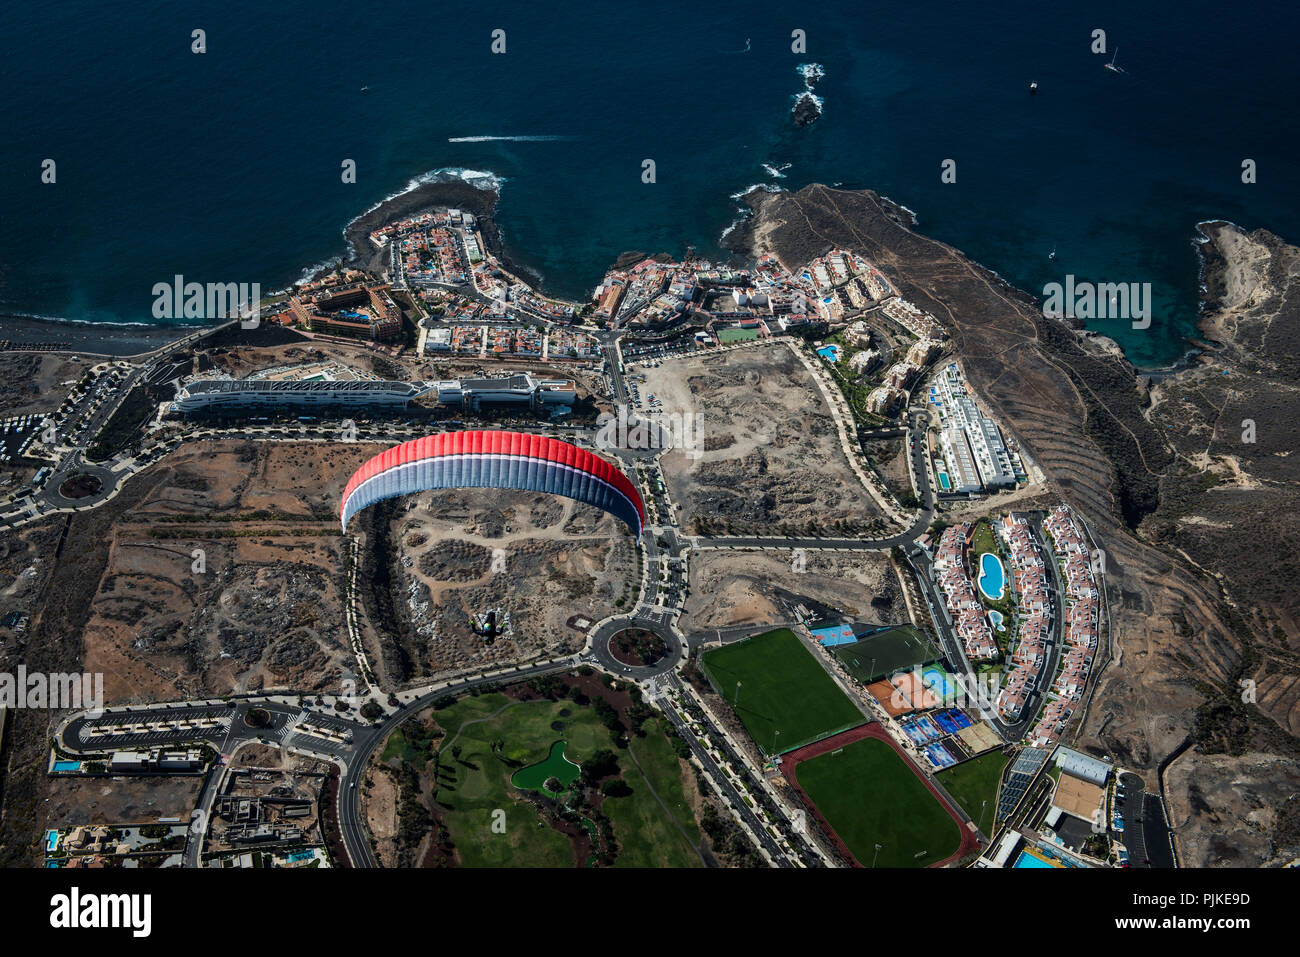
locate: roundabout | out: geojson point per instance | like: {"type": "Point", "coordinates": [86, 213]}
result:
{"type": "Point", "coordinates": [639, 647]}
{"type": "Point", "coordinates": [80, 485]}
{"type": "Point", "coordinates": [602, 646]}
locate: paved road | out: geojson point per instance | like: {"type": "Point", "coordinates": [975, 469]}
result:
{"type": "Point", "coordinates": [145, 366]}
{"type": "Point", "coordinates": [599, 651]}
{"type": "Point", "coordinates": [715, 773]}
{"type": "Point", "coordinates": [202, 814]}
{"type": "Point", "coordinates": [363, 739]}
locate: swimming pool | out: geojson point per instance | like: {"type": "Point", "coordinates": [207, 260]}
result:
{"type": "Point", "coordinates": [993, 579]}
{"type": "Point", "coordinates": [943, 480]}
{"type": "Point", "coordinates": [830, 353]}
{"type": "Point", "coordinates": [1029, 859]}
{"type": "Point", "coordinates": [51, 841]}
{"type": "Point", "coordinates": [67, 765]}
{"type": "Point", "coordinates": [996, 619]}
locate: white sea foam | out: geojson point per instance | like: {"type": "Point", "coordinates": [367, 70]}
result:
{"type": "Point", "coordinates": [97, 323]}
{"type": "Point", "coordinates": [908, 210]}
{"type": "Point", "coordinates": [480, 179]}
{"type": "Point", "coordinates": [310, 271]}
{"type": "Point", "coordinates": [765, 187]}
{"type": "Point", "coordinates": [507, 139]}
{"type": "Point", "coordinates": [811, 73]}
{"type": "Point", "coordinates": [816, 101]}
{"type": "Point", "coordinates": [776, 172]}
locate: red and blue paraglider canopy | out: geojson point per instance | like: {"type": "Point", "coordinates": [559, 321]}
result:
{"type": "Point", "coordinates": [493, 459]}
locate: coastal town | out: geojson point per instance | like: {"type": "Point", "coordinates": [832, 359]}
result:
{"type": "Point", "coordinates": [982, 672]}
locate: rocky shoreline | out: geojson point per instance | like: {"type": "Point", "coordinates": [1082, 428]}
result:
{"type": "Point", "coordinates": [126, 340]}
{"type": "Point", "coordinates": [363, 254]}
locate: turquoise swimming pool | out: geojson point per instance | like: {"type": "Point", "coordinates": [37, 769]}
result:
{"type": "Point", "coordinates": [1033, 860]}
{"type": "Point", "coordinates": [993, 579]}
{"type": "Point", "coordinates": [996, 619]}
{"type": "Point", "coordinates": [830, 353]}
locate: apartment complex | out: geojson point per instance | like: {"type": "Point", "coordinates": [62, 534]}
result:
{"type": "Point", "coordinates": [364, 311]}
{"type": "Point", "coordinates": [1033, 615]}
{"type": "Point", "coordinates": [916, 321]}
{"type": "Point", "coordinates": [519, 389]}
{"type": "Point", "coordinates": [1082, 623]}
{"type": "Point", "coordinates": [224, 396]}
{"type": "Point", "coordinates": [973, 449]}
{"type": "Point", "coordinates": [970, 623]}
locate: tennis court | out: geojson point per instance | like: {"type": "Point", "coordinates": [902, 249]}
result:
{"type": "Point", "coordinates": [941, 683]}
{"type": "Point", "coordinates": [921, 731]}
{"type": "Point", "coordinates": [939, 756]}
{"type": "Point", "coordinates": [951, 721]}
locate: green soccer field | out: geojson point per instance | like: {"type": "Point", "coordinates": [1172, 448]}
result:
{"type": "Point", "coordinates": [885, 653]}
{"type": "Point", "coordinates": [779, 691]}
{"type": "Point", "coordinates": [870, 796]}
{"type": "Point", "coordinates": [974, 785]}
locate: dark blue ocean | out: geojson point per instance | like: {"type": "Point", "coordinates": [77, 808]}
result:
{"type": "Point", "coordinates": [226, 166]}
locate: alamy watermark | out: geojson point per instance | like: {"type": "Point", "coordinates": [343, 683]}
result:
{"type": "Point", "coordinates": [58, 691]}
{"type": "Point", "coordinates": [179, 299]}
{"type": "Point", "coordinates": [1104, 300]}
{"type": "Point", "coordinates": [965, 691]}
{"type": "Point", "coordinates": [628, 430]}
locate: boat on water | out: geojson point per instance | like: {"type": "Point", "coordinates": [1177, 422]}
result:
{"type": "Point", "coordinates": [1033, 87]}
{"type": "Point", "coordinates": [1052, 254]}
{"type": "Point", "coordinates": [1112, 65]}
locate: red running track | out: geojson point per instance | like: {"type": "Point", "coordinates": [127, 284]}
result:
{"type": "Point", "coordinates": [790, 767]}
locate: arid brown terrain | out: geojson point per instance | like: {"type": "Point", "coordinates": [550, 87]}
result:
{"type": "Point", "coordinates": [218, 570]}
{"type": "Point", "coordinates": [767, 454]}
{"type": "Point", "coordinates": [736, 588]}
{"type": "Point", "coordinates": [434, 565]}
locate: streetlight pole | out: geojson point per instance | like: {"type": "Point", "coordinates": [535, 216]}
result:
{"type": "Point", "coordinates": [873, 859]}
{"type": "Point", "coordinates": [982, 806]}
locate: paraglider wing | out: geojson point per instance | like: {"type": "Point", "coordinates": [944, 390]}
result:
{"type": "Point", "coordinates": [515, 460]}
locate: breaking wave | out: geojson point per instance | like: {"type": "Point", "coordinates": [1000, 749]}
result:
{"type": "Point", "coordinates": [507, 139]}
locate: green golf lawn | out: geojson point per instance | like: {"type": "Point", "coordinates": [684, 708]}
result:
{"type": "Point", "coordinates": [477, 782]}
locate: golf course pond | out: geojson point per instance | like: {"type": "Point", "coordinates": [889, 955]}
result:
{"type": "Point", "coordinates": [556, 765]}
